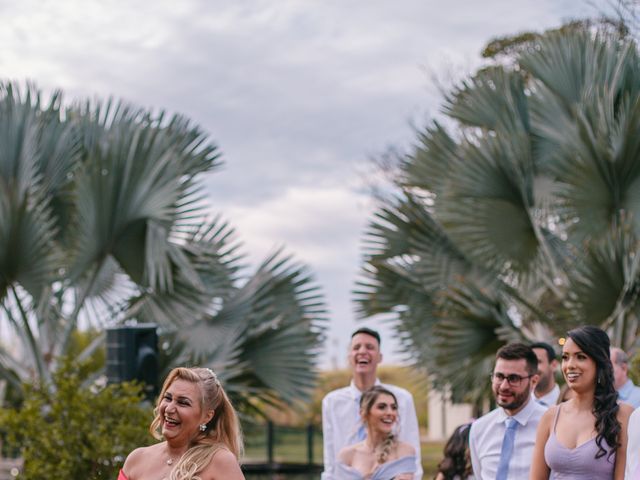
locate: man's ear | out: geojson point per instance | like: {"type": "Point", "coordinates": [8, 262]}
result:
{"type": "Point", "coordinates": [534, 379]}
{"type": "Point", "coordinates": [554, 364]}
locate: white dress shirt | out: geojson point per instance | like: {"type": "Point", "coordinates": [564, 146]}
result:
{"type": "Point", "coordinates": [550, 398]}
{"type": "Point", "coordinates": [630, 394]}
{"type": "Point", "coordinates": [341, 421]}
{"type": "Point", "coordinates": [633, 445]}
{"type": "Point", "coordinates": [485, 442]}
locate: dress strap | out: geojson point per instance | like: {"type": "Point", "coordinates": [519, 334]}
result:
{"type": "Point", "coordinates": [555, 417]}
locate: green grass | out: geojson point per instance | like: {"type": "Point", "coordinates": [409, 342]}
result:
{"type": "Point", "coordinates": [431, 456]}
{"type": "Point", "coordinates": [290, 445]}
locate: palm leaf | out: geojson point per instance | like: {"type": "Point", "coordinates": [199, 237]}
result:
{"type": "Point", "coordinates": [28, 254]}
{"type": "Point", "coordinates": [493, 99]}
{"type": "Point", "coordinates": [258, 330]}
{"type": "Point", "coordinates": [523, 222]}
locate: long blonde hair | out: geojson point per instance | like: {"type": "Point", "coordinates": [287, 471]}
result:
{"type": "Point", "coordinates": [222, 431]}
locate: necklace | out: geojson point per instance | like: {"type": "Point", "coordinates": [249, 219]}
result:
{"type": "Point", "coordinates": [169, 462]}
{"type": "Point", "coordinates": [171, 459]}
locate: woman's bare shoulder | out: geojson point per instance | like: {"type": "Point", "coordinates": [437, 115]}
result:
{"type": "Point", "coordinates": [405, 449]}
{"type": "Point", "coordinates": [138, 457]}
{"type": "Point", "coordinates": [346, 454]}
{"type": "Point", "coordinates": [223, 466]}
{"type": "Point", "coordinates": [549, 415]}
{"type": "Point", "coordinates": [624, 412]}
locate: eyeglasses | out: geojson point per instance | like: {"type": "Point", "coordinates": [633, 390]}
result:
{"type": "Point", "coordinates": [514, 380]}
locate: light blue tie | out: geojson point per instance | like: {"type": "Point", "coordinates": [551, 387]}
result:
{"type": "Point", "coordinates": [542, 402]}
{"type": "Point", "coordinates": [507, 448]}
{"type": "Point", "coordinates": [361, 433]}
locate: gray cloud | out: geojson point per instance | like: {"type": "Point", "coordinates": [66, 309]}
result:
{"type": "Point", "coordinates": [295, 92]}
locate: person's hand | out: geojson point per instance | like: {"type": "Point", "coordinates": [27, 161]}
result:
{"type": "Point", "coordinates": [404, 476]}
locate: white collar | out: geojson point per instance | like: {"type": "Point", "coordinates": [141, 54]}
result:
{"type": "Point", "coordinates": [355, 393]}
{"type": "Point", "coordinates": [523, 416]}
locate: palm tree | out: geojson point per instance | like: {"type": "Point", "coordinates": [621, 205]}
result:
{"type": "Point", "coordinates": [521, 217]}
{"type": "Point", "coordinates": [103, 220]}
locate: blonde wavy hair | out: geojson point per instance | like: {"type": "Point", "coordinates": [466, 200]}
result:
{"type": "Point", "coordinates": [367, 400]}
{"type": "Point", "coordinates": [222, 431]}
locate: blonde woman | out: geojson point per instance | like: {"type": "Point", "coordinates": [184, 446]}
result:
{"type": "Point", "coordinates": [199, 428]}
{"type": "Point", "coordinates": [380, 456]}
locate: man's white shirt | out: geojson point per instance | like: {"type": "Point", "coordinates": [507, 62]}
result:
{"type": "Point", "coordinates": [485, 442]}
{"type": "Point", "coordinates": [633, 445]}
{"type": "Point", "coordinates": [550, 398]}
{"type": "Point", "coordinates": [630, 394]}
{"type": "Point", "coordinates": [341, 421]}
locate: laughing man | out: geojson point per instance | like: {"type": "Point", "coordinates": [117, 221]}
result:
{"type": "Point", "coordinates": [341, 425]}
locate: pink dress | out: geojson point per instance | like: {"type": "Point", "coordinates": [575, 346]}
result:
{"type": "Point", "coordinates": [121, 476]}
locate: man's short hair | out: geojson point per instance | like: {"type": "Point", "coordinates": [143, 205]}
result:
{"type": "Point", "coordinates": [517, 351]}
{"type": "Point", "coordinates": [619, 356]}
{"type": "Point", "coordinates": [551, 353]}
{"type": "Point", "coordinates": [367, 331]}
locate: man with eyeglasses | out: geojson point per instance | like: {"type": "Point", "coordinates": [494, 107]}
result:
{"type": "Point", "coordinates": [501, 442]}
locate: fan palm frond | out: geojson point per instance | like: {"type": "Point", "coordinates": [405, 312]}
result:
{"type": "Point", "coordinates": [525, 222]}
{"type": "Point", "coordinates": [104, 220]}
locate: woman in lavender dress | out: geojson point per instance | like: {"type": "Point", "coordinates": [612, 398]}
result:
{"type": "Point", "coordinates": [585, 437]}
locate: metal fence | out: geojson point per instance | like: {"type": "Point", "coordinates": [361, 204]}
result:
{"type": "Point", "coordinates": [279, 452]}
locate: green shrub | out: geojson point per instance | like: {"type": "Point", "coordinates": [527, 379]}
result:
{"type": "Point", "coordinates": [76, 431]}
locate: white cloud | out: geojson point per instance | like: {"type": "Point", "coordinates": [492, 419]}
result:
{"type": "Point", "coordinates": [318, 224]}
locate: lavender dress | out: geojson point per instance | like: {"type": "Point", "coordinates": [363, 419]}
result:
{"type": "Point", "coordinates": [577, 463]}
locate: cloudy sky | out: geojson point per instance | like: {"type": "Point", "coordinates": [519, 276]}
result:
{"type": "Point", "coordinates": [298, 94]}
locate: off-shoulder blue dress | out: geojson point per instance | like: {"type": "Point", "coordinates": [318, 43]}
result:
{"type": "Point", "coordinates": [386, 471]}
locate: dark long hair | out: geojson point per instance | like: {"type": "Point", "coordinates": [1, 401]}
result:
{"type": "Point", "coordinates": [595, 343]}
{"type": "Point", "coordinates": [457, 460]}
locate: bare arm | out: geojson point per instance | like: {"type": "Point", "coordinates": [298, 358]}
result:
{"type": "Point", "coordinates": [539, 468]}
{"type": "Point", "coordinates": [621, 453]}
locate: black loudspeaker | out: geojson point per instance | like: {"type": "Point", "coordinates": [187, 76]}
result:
{"type": "Point", "coordinates": [132, 354]}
